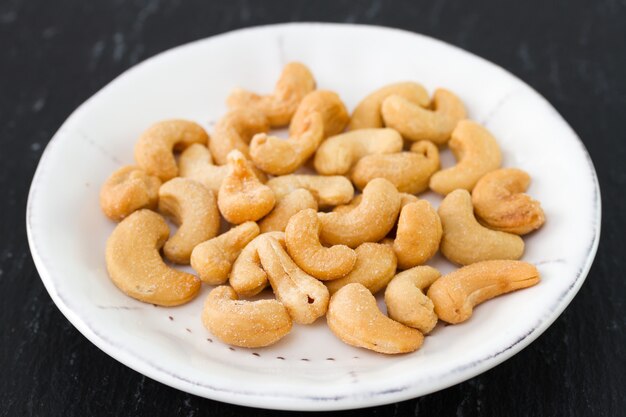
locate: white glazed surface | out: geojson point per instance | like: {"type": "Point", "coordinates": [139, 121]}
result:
{"type": "Point", "coordinates": [67, 232]}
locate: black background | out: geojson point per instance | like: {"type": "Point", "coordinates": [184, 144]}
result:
{"type": "Point", "coordinates": [55, 54]}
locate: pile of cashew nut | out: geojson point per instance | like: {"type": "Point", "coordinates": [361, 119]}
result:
{"type": "Point", "coordinates": [325, 243]}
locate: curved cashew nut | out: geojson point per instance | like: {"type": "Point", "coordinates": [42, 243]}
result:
{"type": "Point", "coordinates": [247, 277]}
{"type": "Point", "coordinates": [354, 317]}
{"type": "Point", "coordinates": [408, 171]}
{"type": "Point", "coordinates": [278, 156]}
{"type": "Point", "coordinates": [477, 153]}
{"type": "Point", "coordinates": [328, 191]}
{"type": "Point", "coordinates": [136, 267]}
{"type": "Point", "coordinates": [244, 323]}
{"type": "Point", "coordinates": [126, 190]}
{"type": "Point", "coordinates": [406, 302]}
{"type": "Point", "coordinates": [367, 114]}
{"type": "Point", "coordinates": [155, 147]}
{"type": "Point", "coordinates": [375, 266]}
{"type": "Point", "coordinates": [370, 221]}
{"type": "Point", "coordinates": [333, 111]}
{"type": "Point", "coordinates": [304, 247]}
{"type": "Point", "coordinates": [213, 259]}
{"type": "Point", "coordinates": [418, 234]}
{"type": "Point", "coordinates": [456, 294]}
{"type": "Point", "coordinates": [417, 123]}
{"type": "Point", "coordinates": [305, 298]}
{"type": "Point", "coordinates": [465, 241]}
{"type": "Point", "coordinates": [500, 203]}
{"type": "Point", "coordinates": [235, 131]}
{"type": "Point", "coordinates": [295, 82]}
{"type": "Point", "coordinates": [286, 207]}
{"type": "Point", "coordinates": [194, 209]}
{"type": "Point", "coordinates": [242, 197]}
{"type": "Point", "coordinates": [339, 153]}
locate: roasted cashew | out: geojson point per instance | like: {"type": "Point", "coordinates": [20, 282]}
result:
{"type": "Point", "coordinates": [154, 151]}
{"type": "Point", "coordinates": [214, 258]}
{"type": "Point", "coordinates": [242, 197]}
{"type": "Point", "coordinates": [328, 191]}
{"type": "Point", "coordinates": [295, 82]}
{"type": "Point", "coordinates": [194, 209]}
{"type": "Point", "coordinates": [370, 221]}
{"type": "Point", "coordinates": [247, 277]}
{"type": "Point", "coordinates": [328, 103]}
{"type": "Point", "coordinates": [286, 207]}
{"type": "Point", "coordinates": [465, 241]}
{"type": "Point", "coordinates": [242, 323]}
{"type": "Point", "coordinates": [367, 114]}
{"type": "Point", "coordinates": [501, 204]}
{"type": "Point", "coordinates": [305, 298]}
{"type": "Point", "coordinates": [405, 299]}
{"type": "Point", "coordinates": [337, 154]}
{"type": "Point", "coordinates": [136, 267]}
{"type": "Point", "coordinates": [354, 317]}
{"type": "Point", "coordinates": [456, 294]}
{"type": "Point", "coordinates": [477, 153]}
{"type": "Point", "coordinates": [278, 156]}
{"type": "Point", "coordinates": [418, 234]}
{"type": "Point", "coordinates": [375, 266]}
{"type": "Point", "coordinates": [304, 247]}
{"type": "Point", "coordinates": [408, 171]}
{"type": "Point", "coordinates": [235, 131]}
{"type": "Point", "coordinates": [128, 189]}
{"type": "Point", "coordinates": [417, 123]}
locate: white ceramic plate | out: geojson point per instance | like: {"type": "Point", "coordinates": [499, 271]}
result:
{"type": "Point", "coordinates": [310, 369]}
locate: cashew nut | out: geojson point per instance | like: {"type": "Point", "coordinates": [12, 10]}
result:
{"type": "Point", "coordinates": [304, 247]}
{"type": "Point", "coordinates": [455, 295]}
{"type": "Point", "coordinates": [136, 267]}
{"type": "Point", "coordinates": [214, 258]}
{"type": "Point", "coordinates": [354, 317]}
{"type": "Point", "coordinates": [278, 156]}
{"type": "Point", "coordinates": [286, 207]}
{"type": "Point", "coordinates": [328, 103]}
{"type": "Point", "coordinates": [477, 153]}
{"type": "Point", "coordinates": [242, 197]}
{"type": "Point", "coordinates": [370, 221]}
{"type": "Point", "coordinates": [465, 241]}
{"type": "Point", "coordinates": [295, 82]}
{"type": "Point", "coordinates": [408, 171]}
{"type": "Point", "coordinates": [247, 277]}
{"type": "Point", "coordinates": [367, 113]}
{"type": "Point", "coordinates": [501, 204]}
{"type": "Point", "coordinates": [235, 131]}
{"type": "Point", "coordinates": [344, 208]}
{"type": "Point", "coordinates": [154, 151]}
{"type": "Point", "coordinates": [375, 266]}
{"type": "Point", "coordinates": [305, 298]}
{"type": "Point", "coordinates": [418, 234]}
{"type": "Point", "coordinates": [417, 123]}
{"type": "Point", "coordinates": [244, 323]}
{"type": "Point", "coordinates": [194, 209]}
{"type": "Point", "coordinates": [126, 190]}
{"type": "Point", "coordinates": [405, 299]}
{"type": "Point", "coordinates": [328, 191]}
{"type": "Point", "coordinates": [339, 153]}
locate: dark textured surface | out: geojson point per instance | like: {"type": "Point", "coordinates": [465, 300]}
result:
{"type": "Point", "coordinates": [55, 54]}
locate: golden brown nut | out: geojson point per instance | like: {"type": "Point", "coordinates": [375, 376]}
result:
{"type": "Point", "coordinates": [367, 114]}
{"type": "Point", "coordinates": [295, 82]}
{"type": "Point", "coordinates": [354, 317]}
{"type": "Point", "coordinates": [286, 207]}
{"type": "Point", "coordinates": [328, 191]}
{"type": "Point", "coordinates": [417, 123]}
{"type": "Point", "coordinates": [235, 131]}
{"type": "Point", "coordinates": [418, 234]}
{"type": "Point", "coordinates": [465, 241]}
{"type": "Point", "coordinates": [194, 209]}
{"type": "Point", "coordinates": [136, 267]}
{"type": "Point", "coordinates": [501, 204]}
{"type": "Point", "coordinates": [126, 190]}
{"type": "Point", "coordinates": [333, 111]}
{"type": "Point", "coordinates": [248, 278]}
{"type": "Point", "coordinates": [456, 294]}
{"type": "Point", "coordinates": [242, 323]}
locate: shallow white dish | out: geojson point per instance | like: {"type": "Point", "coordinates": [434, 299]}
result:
{"type": "Point", "coordinates": [310, 369]}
